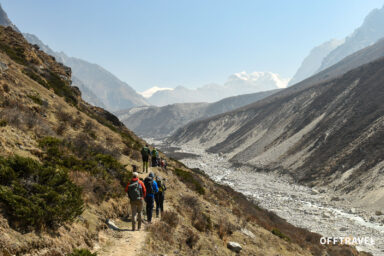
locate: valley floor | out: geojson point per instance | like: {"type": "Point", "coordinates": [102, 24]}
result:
{"type": "Point", "coordinates": [316, 210]}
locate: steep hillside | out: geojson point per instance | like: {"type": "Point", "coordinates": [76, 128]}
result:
{"type": "Point", "coordinates": [160, 122]}
{"type": "Point", "coordinates": [326, 132]}
{"type": "Point", "coordinates": [367, 34]}
{"type": "Point", "coordinates": [96, 83]}
{"type": "Point", "coordinates": [312, 62]}
{"type": "Point", "coordinates": [64, 164]}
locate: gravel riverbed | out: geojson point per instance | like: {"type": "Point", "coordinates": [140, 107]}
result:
{"type": "Point", "coordinates": [317, 211]}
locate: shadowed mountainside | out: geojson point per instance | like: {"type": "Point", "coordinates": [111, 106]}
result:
{"type": "Point", "coordinates": [160, 122]}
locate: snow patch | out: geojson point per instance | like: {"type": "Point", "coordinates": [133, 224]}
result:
{"type": "Point", "coordinates": [148, 93]}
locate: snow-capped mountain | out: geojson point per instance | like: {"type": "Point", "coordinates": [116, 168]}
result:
{"type": "Point", "coordinates": [236, 84]}
{"type": "Point", "coordinates": [148, 93]}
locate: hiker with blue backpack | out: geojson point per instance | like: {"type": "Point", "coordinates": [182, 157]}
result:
{"type": "Point", "coordinates": [136, 192]}
{"type": "Point", "coordinates": [151, 189]}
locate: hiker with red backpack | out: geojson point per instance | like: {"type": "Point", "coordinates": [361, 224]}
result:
{"type": "Point", "coordinates": [152, 189]}
{"type": "Point", "coordinates": [136, 192]}
{"type": "Point", "coordinates": [159, 197]}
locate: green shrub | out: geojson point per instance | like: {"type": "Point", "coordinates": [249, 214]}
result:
{"type": "Point", "coordinates": [15, 53]}
{"type": "Point", "coordinates": [3, 123]}
{"type": "Point", "coordinates": [36, 98]}
{"type": "Point", "coordinates": [34, 76]}
{"type": "Point", "coordinates": [37, 196]}
{"type": "Point", "coordinates": [82, 252]}
{"type": "Point", "coordinates": [191, 179]}
{"type": "Point", "coordinates": [81, 155]}
{"type": "Point", "coordinates": [60, 87]}
{"type": "Point", "coordinates": [278, 233]}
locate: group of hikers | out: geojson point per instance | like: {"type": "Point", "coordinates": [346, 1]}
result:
{"type": "Point", "coordinates": [150, 190]}
{"type": "Point", "coordinates": [146, 153]}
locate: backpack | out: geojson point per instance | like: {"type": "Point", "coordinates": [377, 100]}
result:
{"type": "Point", "coordinates": [160, 184]}
{"type": "Point", "coordinates": [154, 153]}
{"type": "Point", "coordinates": [148, 183]}
{"type": "Point", "coordinates": [135, 191]}
{"type": "Point", "coordinates": [145, 152]}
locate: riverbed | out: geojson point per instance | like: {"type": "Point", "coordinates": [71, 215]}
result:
{"type": "Point", "coordinates": [315, 210]}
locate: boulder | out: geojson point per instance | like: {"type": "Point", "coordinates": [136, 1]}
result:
{"type": "Point", "coordinates": [3, 66]}
{"type": "Point", "coordinates": [235, 247]}
{"type": "Point", "coordinates": [247, 232]}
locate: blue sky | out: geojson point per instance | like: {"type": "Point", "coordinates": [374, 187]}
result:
{"type": "Point", "coordinates": [177, 42]}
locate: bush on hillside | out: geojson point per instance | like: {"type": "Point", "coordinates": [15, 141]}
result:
{"type": "Point", "coordinates": [82, 252]}
{"type": "Point", "coordinates": [192, 180]}
{"type": "Point", "coordinates": [82, 155]}
{"type": "Point", "coordinates": [36, 196]}
{"type": "Point", "coordinates": [171, 218]}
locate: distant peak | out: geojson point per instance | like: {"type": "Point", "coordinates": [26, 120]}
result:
{"type": "Point", "coordinates": [148, 93]}
{"type": "Point", "coordinates": [259, 76]}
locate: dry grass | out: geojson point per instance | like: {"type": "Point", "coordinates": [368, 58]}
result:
{"type": "Point", "coordinates": [225, 228]}
{"type": "Point", "coordinates": [192, 238]}
{"type": "Point", "coordinates": [171, 218]}
{"type": "Point", "coordinates": [161, 231]}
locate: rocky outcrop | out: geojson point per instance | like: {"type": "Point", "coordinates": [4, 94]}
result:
{"type": "Point", "coordinates": [312, 62]}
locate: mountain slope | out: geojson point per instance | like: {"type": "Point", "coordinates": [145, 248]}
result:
{"type": "Point", "coordinates": [160, 122]}
{"type": "Point", "coordinates": [5, 21]}
{"type": "Point", "coordinates": [96, 81]}
{"type": "Point", "coordinates": [237, 84]}
{"type": "Point", "coordinates": [367, 34]}
{"type": "Point", "coordinates": [312, 62]}
{"type": "Point", "coordinates": [317, 132]}
{"type": "Point", "coordinates": [64, 165]}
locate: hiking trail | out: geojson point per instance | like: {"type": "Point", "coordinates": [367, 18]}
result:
{"type": "Point", "coordinates": [123, 243]}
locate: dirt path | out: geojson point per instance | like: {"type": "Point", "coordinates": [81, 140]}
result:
{"type": "Point", "coordinates": [123, 243]}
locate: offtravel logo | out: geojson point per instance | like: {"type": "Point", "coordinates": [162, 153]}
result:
{"type": "Point", "coordinates": [348, 240]}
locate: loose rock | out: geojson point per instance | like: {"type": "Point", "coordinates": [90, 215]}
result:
{"type": "Point", "coordinates": [233, 246]}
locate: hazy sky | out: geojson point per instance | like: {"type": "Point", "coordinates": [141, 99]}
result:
{"type": "Point", "coordinates": [167, 43]}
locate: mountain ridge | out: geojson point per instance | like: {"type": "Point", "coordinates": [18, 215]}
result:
{"type": "Point", "coordinates": [103, 85]}
{"type": "Point", "coordinates": [160, 122]}
{"type": "Point", "coordinates": [236, 84]}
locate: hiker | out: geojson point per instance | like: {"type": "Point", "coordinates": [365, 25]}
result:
{"type": "Point", "coordinates": [136, 192]}
{"type": "Point", "coordinates": [155, 156]}
{"type": "Point", "coordinates": [159, 197]}
{"type": "Point", "coordinates": [145, 152]}
{"type": "Point", "coordinates": [152, 189]}
{"type": "Point", "coordinates": [163, 163]}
